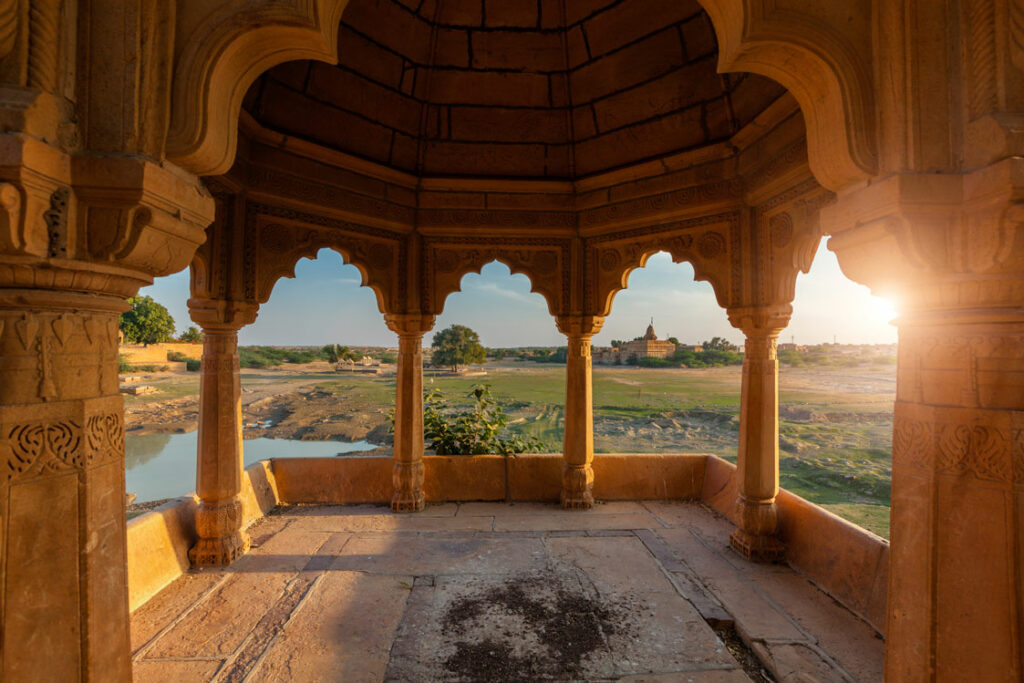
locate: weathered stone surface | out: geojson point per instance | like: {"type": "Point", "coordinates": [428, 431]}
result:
{"type": "Point", "coordinates": [174, 671]}
{"type": "Point", "coordinates": [342, 630]}
{"type": "Point", "coordinates": [391, 605]}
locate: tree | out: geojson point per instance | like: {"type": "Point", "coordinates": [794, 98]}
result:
{"type": "Point", "coordinates": [674, 340]}
{"type": "Point", "coordinates": [336, 353]}
{"type": "Point", "coordinates": [616, 343]}
{"type": "Point", "coordinates": [455, 346]}
{"type": "Point", "coordinates": [719, 344]}
{"type": "Point", "coordinates": [148, 322]}
{"type": "Point", "coordinates": [192, 334]}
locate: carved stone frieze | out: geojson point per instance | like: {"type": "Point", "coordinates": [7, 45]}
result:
{"type": "Point", "coordinates": [661, 206]}
{"type": "Point", "coordinates": [43, 447]}
{"type": "Point", "coordinates": [934, 440]}
{"type": "Point", "coordinates": [277, 238]}
{"type": "Point", "coordinates": [707, 243]}
{"type": "Point", "coordinates": [544, 261]}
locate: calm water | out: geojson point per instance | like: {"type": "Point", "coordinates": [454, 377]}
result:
{"type": "Point", "coordinates": [164, 465]}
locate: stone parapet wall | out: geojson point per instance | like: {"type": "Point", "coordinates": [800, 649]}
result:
{"type": "Point", "coordinates": [157, 353]}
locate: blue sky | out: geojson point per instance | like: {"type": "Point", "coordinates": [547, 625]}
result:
{"type": "Point", "coordinates": [325, 304]}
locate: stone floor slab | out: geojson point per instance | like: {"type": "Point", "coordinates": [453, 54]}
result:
{"type": "Point", "coordinates": [463, 554]}
{"type": "Point", "coordinates": [615, 507]}
{"type": "Point", "coordinates": [542, 599]}
{"type": "Point", "coordinates": [342, 632]}
{"type": "Point", "coordinates": [574, 521]}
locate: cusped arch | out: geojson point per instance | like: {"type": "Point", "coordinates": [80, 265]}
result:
{"type": "Point", "coordinates": [709, 245]}
{"type": "Point", "coordinates": [545, 265]}
{"type": "Point", "coordinates": [278, 246]}
{"type": "Point", "coordinates": [226, 49]}
{"type": "Point", "coordinates": [822, 55]}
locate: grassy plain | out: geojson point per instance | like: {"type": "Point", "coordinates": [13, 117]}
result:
{"type": "Point", "coordinates": [835, 426]}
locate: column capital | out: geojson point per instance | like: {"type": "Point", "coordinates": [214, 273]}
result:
{"type": "Point", "coordinates": [766, 320]}
{"type": "Point", "coordinates": [220, 315]}
{"type": "Point", "coordinates": [945, 244]}
{"type": "Point", "coordinates": [409, 323]}
{"type": "Point", "coordinates": [579, 325]}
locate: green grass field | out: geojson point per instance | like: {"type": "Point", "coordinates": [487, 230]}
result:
{"type": "Point", "coordinates": [835, 427]}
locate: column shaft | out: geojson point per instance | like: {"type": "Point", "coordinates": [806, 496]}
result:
{"type": "Point", "coordinates": [65, 590]}
{"type": "Point", "coordinates": [757, 462]}
{"type": "Point", "coordinates": [408, 470]}
{"type": "Point", "coordinates": [956, 596]}
{"type": "Point", "coordinates": [219, 463]}
{"type": "Point", "coordinates": [578, 449]}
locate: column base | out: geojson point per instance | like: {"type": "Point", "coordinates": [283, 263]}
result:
{"type": "Point", "coordinates": [406, 503]}
{"type": "Point", "coordinates": [219, 552]}
{"type": "Point", "coordinates": [757, 548]}
{"type": "Point", "coordinates": [407, 478]}
{"type": "Point", "coordinates": [221, 537]}
{"type": "Point", "coordinates": [577, 487]}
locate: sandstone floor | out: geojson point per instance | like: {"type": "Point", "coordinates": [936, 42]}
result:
{"type": "Point", "coordinates": [497, 592]}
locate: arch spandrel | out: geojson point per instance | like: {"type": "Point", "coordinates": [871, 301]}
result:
{"type": "Point", "coordinates": [821, 55]}
{"type": "Point", "coordinates": [710, 245]}
{"type": "Point", "coordinates": [225, 48]}
{"type": "Point", "coordinates": [544, 262]}
{"type": "Point", "coordinates": [275, 244]}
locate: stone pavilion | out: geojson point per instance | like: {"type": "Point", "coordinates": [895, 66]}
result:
{"type": "Point", "coordinates": [570, 140]}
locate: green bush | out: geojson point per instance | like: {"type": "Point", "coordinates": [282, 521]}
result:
{"type": "Point", "coordinates": [177, 357]}
{"type": "Point", "coordinates": [270, 356]}
{"type": "Point", "coordinates": [193, 365]}
{"type": "Point", "coordinates": [122, 364]}
{"type": "Point", "coordinates": [480, 430]}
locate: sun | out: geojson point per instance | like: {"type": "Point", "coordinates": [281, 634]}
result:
{"type": "Point", "coordinates": [882, 309]}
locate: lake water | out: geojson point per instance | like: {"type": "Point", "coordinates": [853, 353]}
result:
{"type": "Point", "coordinates": [162, 466]}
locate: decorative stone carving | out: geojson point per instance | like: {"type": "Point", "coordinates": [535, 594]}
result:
{"type": "Point", "coordinates": [610, 258]}
{"type": "Point", "coordinates": [447, 260]}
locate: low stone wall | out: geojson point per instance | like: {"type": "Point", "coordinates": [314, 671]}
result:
{"type": "Point", "coordinates": [529, 477]}
{"type": "Point", "coordinates": [845, 561]}
{"type": "Point", "coordinates": [156, 354]}
{"type": "Point", "coordinates": [849, 563]}
{"type": "Point", "coordinates": [158, 541]}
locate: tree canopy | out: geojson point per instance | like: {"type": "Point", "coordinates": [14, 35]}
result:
{"type": "Point", "coordinates": [147, 322]}
{"type": "Point", "coordinates": [455, 346]}
{"type": "Point", "coordinates": [192, 334]}
{"type": "Point", "coordinates": [720, 344]}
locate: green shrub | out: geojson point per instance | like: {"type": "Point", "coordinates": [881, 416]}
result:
{"type": "Point", "coordinates": [193, 365]}
{"type": "Point", "coordinates": [122, 364]}
{"type": "Point", "coordinates": [480, 430]}
{"type": "Point", "coordinates": [177, 357]}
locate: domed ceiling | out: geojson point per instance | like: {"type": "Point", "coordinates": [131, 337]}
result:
{"type": "Point", "coordinates": [548, 89]}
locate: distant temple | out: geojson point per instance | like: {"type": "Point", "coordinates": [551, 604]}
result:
{"type": "Point", "coordinates": [647, 346]}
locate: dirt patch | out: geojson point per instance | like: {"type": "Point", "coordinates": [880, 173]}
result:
{"type": "Point", "coordinates": [549, 631]}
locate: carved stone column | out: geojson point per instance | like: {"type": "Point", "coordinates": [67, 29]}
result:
{"type": "Point", "coordinates": [950, 250]}
{"type": "Point", "coordinates": [757, 462]}
{"type": "Point", "coordinates": [408, 472]}
{"type": "Point", "coordinates": [62, 497]}
{"type": "Point", "coordinates": [578, 451]}
{"type": "Point", "coordinates": [221, 538]}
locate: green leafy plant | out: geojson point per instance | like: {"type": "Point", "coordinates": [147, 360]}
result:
{"type": "Point", "coordinates": [480, 430]}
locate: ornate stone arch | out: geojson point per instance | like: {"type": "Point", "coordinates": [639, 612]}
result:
{"type": "Point", "coordinates": [823, 56]}
{"type": "Point", "coordinates": [224, 49]}
{"type": "Point", "coordinates": [277, 238]}
{"type": "Point", "coordinates": [710, 244]}
{"type": "Point", "coordinates": [545, 262]}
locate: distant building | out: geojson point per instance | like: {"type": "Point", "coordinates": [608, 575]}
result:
{"type": "Point", "coordinates": [647, 346]}
{"type": "Point", "coordinates": [792, 347]}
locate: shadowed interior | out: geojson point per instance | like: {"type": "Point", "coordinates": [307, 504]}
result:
{"type": "Point", "coordinates": [556, 89]}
